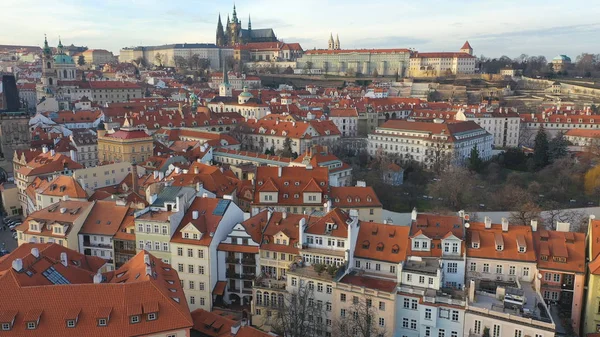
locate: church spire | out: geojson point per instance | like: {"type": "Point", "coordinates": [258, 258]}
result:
{"type": "Point", "coordinates": [337, 42]}
{"type": "Point", "coordinates": [235, 19]}
{"type": "Point", "coordinates": [220, 33]}
{"type": "Point", "coordinates": [60, 46]}
{"type": "Point", "coordinates": [249, 23]}
{"type": "Point", "coordinates": [330, 44]}
{"type": "Point", "coordinates": [47, 50]}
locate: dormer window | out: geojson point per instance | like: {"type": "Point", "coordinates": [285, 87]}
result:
{"type": "Point", "coordinates": [365, 244]}
{"type": "Point", "coordinates": [102, 322]}
{"type": "Point", "coordinates": [521, 249]}
{"type": "Point", "coordinates": [297, 183]}
{"type": "Point", "coordinates": [135, 319]}
{"type": "Point", "coordinates": [475, 245]}
{"type": "Point", "coordinates": [544, 257]}
{"type": "Point", "coordinates": [151, 316]}
{"type": "Point", "coordinates": [499, 248]}
{"type": "Point", "coordinates": [195, 236]}
{"type": "Point", "coordinates": [71, 323]}
{"type": "Point", "coordinates": [380, 247]}
{"type": "Point", "coordinates": [395, 249]}
{"type": "Point", "coordinates": [186, 235]}
{"type": "Point", "coordinates": [31, 325]}
{"type": "Point", "coordinates": [6, 326]}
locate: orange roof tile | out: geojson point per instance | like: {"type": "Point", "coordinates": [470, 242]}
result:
{"type": "Point", "coordinates": [561, 244]}
{"type": "Point", "coordinates": [489, 238]}
{"type": "Point", "coordinates": [354, 196]}
{"type": "Point", "coordinates": [105, 218]}
{"type": "Point", "coordinates": [382, 242]}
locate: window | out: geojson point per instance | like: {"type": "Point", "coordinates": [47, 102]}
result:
{"type": "Point", "coordinates": [201, 270]}
{"type": "Point", "coordinates": [414, 304]}
{"type": "Point", "coordinates": [320, 287]}
{"type": "Point", "coordinates": [405, 323]}
{"type": "Point", "coordinates": [428, 314]}
{"type": "Point", "coordinates": [329, 289]}
{"type": "Point", "coordinates": [354, 299]}
{"type": "Point", "coordinates": [455, 315]}
{"type": "Point", "coordinates": [381, 321]}
{"type": "Point", "coordinates": [393, 269]}
{"type": "Point", "coordinates": [343, 297]}
{"type": "Point", "coordinates": [190, 268]}
{"type": "Point", "coordinates": [179, 251]}
{"type": "Point", "coordinates": [526, 271]}
{"type": "Point", "coordinates": [498, 269]}
{"type": "Point", "coordinates": [421, 279]}
{"type": "Point", "coordinates": [190, 252]}
{"type": "Point", "coordinates": [556, 278]}
{"type": "Point", "coordinates": [328, 306]}
{"type": "Point", "coordinates": [192, 285]}
{"type": "Point", "coordinates": [201, 285]}
{"type": "Point", "coordinates": [343, 313]}
{"type": "Point", "coordinates": [452, 267]}
{"type": "Point", "coordinates": [413, 324]}
{"type": "Point", "coordinates": [30, 325]}
{"type": "Point", "coordinates": [102, 322]}
{"type": "Point", "coordinates": [70, 324]}
{"type": "Point", "coordinates": [486, 268]}
{"type": "Point", "coordinates": [135, 319]}
{"type": "Point", "coordinates": [407, 304]}
{"type": "Point", "coordinates": [518, 333]}
{"type": "Point", "coordinates": [477, 327]}
{"type": "Point", "coordinates": [180, 267]}
{"type": "Point", "coordinates": [381, 306]}
{"type": "Point", "coordinates": [473, 266]}
{"type": "Point", "coordinates": [512, 270]}
{"type": "Point", "coordinates": [496, 331]}
{"type": "Point", "coordinates": [408, 277]}
{"type": "Point", "coordinates": [441, 333]}
{"type": "Point", "coordinates": [192, 300]}
{"type": "Point", "coordinates": [200, 253]}
{"type": "Point", "coordinates": [294, 281]}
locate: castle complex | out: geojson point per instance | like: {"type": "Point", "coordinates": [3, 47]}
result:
{"type": "Point", "coordinates": [233, 33]}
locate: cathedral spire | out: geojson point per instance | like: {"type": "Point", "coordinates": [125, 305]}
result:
{"type": "Point", "coordinates": [249, 23]}
{"type": "Point", "coordinates": [47, 50]}
{"type": "Point", "coordinates": [220, 33]}
{"type": "Point", "coordinates": [337, 42]}
{"type": "Point", "coordinates": [235, 19]}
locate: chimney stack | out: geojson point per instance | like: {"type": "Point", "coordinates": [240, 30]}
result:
{"type": "Point", "coordinates": [35, 252]}
{"type": "Point", "coordinates": [413, 214]}
{"type": "Point", "coordinates": [98, 278]}
{"type": "Point", "coordinates": [279, 171]}
{"type": "Point", "coordinates": [534, 225]}
{"type": "Point", "coordinates": [504, 225]}
{"type": "Point", "coordinates": [17, 265]}
{"type": "Point", "coordinates": [134, 178]}
{"type": "Point", "coordinates": [195, 215]}
{"type": "Point", "coordinates": [196, 170]}
{"type": "Point", "coordinates": [488, 222]}
{"type": "Point", "coordinates": [63, 259]}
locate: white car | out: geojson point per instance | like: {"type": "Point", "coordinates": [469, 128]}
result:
{"type": "Point", "coordinates": [14, 236]}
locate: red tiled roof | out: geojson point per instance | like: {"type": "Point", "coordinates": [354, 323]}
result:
{"type": "Point", "coordinates": [382, 242]}
{"type": "Point", "coordinates": [370, 283]}
{"type": "Point", "coordinates": [356, 51]}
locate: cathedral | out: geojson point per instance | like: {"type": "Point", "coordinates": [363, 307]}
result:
{"type": "Point", "coordinates": [233, 33]}
{"type": "Point", "coordinates": [55, 67]}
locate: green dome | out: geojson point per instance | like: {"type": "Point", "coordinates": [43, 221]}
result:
{"type": "Point", "coordinates": [246, 94]}
{"type": "Point", "coordinates": [63, 59]}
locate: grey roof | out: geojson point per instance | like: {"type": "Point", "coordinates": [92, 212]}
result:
{"type": "Point", "coordinates": [176, 46]}
{"type": "Point", "coordinates": [266, 33]}
{"type": "Point", "coordinates": [169, 194]}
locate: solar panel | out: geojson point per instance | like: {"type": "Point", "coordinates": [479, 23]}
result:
{"type": "Point", "coordinates": [54, 276]}
{"type": "Point", "coordinates": [221, 207]}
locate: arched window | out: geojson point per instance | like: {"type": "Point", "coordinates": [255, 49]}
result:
{"type": "Point", "coordinates": [259, 297]}
{"type": "Point", "coordinates": [65, 73]}
{"type": "Point", "coordinates": [50, 82]}
{"type": "Point", "coordinates": [48, 65]}
{"type": "Point", "coordinates": [280, 300]}
{"type": "Point", "coordinates": [266, 298]}
{"type": "Point", "coordinates": [273, 299]}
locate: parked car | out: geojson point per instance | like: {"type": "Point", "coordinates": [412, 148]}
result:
{"type": "Point", "coordinates": [14, 236]}
{"type": "Point", "coordinates": [14, 226]}
{"type": "Point", "coordinates": [4, 252]}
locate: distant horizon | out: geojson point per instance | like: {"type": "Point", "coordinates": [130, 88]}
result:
{"type": "Point", "coordinates": [494, 28]}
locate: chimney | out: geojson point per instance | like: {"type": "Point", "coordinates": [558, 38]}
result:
{"type": "Point", "coordinates": [73, 155]}
{"type": "Point", "coordinates": [563, 227]}
{"type": "Point", "coordinates": [269, 214]}
{"type": "Point", "coordinates": [44, 149]}
{"type": "Point", "coordinates": [155, 173]}
{"type": "Point", "coordinates": [52, 153]}
{"type": "Point", "coordinates": [328, 206]}
{"type": "Point", "coordinates": [472, 291]}
{"type": "Point", "coordinates": [63, 259]}
{"type": "Point", "coordinates": [134, 178]}
{"type": "Point", "coordinates": [284, 215]}
{"type": "Point", "coordinates": [504, 225]}
{"type": "Point", "coordinates": [195, 215]}
{"type": "Point", "coordinates": [17, 265]}
{"type": "Point", "coordinates": [488, 222]}
{"type": "Point", "coordinates": [534, 224]}
{"type": "Point", "coordinates": [413, 214]}
{"type": "Point", "coordinates": [361, 183]}
{"type": "Point", "coordinates": [177, 170]}
{"type": "Point", "coordinates": [199, 186]}
{"type": "Point", "coordinates": [235, 328]}
{"type": "Point", "coordinates": [65, 198]}
{"type": "Point", "coordinates": [98, 278]}
{"type": "Point", "coordinates": [35, 252]}
{"type": "Point", "coordinates": [204, 195]}
{"type": "Point", "coordinates": [279, 171]}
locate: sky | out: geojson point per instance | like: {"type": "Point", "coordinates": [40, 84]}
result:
{"type": "Point", "coordinates": [493, 27]}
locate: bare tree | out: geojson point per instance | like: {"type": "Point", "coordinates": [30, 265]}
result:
{"type": "Point", "coordinates": [298, 315]}
{"type": "Point", "coordinates": [437, 154]}
{"type": "Point", "coordinates": [361, 320]}
{"type": "Point", "coordinates": [574, 217]}
{"type": "Point", "coordinates": [455, 189]}
{"type": "Point", "coordinates": [525, 213]}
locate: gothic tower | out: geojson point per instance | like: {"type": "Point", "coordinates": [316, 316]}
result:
{"type": "Point", "coordinates": [48, 72]}
{"type": "Point", "coordinates": [249, 23]}
{"type": "Point", "coordinates": [225, 87]}
{"type": "Point", "coordinates": [220, 33]}
{"type": "Point", "coordinates": [330, 44]}
{"type": "Point", "coordinates": [336, 45]}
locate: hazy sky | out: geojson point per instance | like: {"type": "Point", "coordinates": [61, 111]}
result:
{"type": "Point", "coordinates": [493, 27]}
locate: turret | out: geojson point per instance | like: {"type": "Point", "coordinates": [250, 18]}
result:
{"type": "Point", "coordinates": [220, 33]}
{"type": "Point", "coordinates": [235, 19]}
{"type": "Point", "coordinates": [60, 48]}
{"type": "Point", "coordinates": [47, 50]}
{"type": "Point", "coordinates": [337, 42]}
{"type": "Point", "coordinates": [330, 44]}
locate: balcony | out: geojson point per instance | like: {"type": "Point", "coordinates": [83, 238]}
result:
{"type": "Point", "coordinates": [247, 276]}
{"type": "Point", "coordinates": [232, 260]}
{"type": "Point", "coordinates": [263, 281]}
{"type": "Point", "coordinates": [249, 261]}
{"type": "Point", "coordinates": [96, 245]}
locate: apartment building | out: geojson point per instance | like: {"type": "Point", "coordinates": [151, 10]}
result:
{"type": "Point", "coordinates": [294, 189]}
{"type": "Point", "coordinates": [128, 144]}
{"type": "Point", "coordinates": [54, 291]}
{"type": "Point", "coordinates": [156, 224]}
{"type": "Point", "coordinates": [349, 62]}
{"type": "Point", "coordinates": [194, 244]}
{"type": "Point", "coordinates": [501, 123]}
{"type": "Point", "coordinates": [361, 198]}
{"type": "Point", "coordinates": [430, 143]}
{"type": "Point", "coordinates": [59, 223]}
{"type": "Point", "coordinates": [264, 134]}
{"type": "Point", "coordinates": [340, 173]}
{"type": "Point", "coordinates": [561, 263]}
{"type": "Point", "coordinates": [96, 236]}
{"type": "Point", "coordinates": [42, 193]}
{"type": "Point", "coordinates": [346, 120]}
{"type": "Point", "coordinates": [591, 320]}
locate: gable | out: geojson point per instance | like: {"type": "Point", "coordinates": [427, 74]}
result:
{"type": "Point", "coordinates": [190, 228]}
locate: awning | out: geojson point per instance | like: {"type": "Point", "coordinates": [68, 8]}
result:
{"type": "Point", "coordinates": [219, 288]}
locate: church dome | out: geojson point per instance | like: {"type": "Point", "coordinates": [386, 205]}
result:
{"type": "Point", "coordinates": [246, 94]}
{"type": "Point", "coordinates": [63, 59]}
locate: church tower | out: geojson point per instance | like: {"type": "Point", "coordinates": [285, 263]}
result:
{"type": "Point", "coordinates": [336, 45]}
{"type": "Point", "coordinates": [225, 87]}
{"type": "Point", "coordinates": [466, 48]}
{"type": "Point", "coordinates": [220, 33]}
{"type": "Point", "coordinates": [249, 23]}
{"type": "Point", "coordinates": [49, 78]}
{"type": "Point", "coordinates": [330, 43]}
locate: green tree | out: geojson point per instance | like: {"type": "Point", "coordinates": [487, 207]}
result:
{"type": "Point", "coordinates": [81, 60]}
{"type": "Point", "coordinates": [557, 147]}
{"type": "Point", "coordinates": [475, 163]}
{"type": "Point", "coordinates": [540, 149]}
